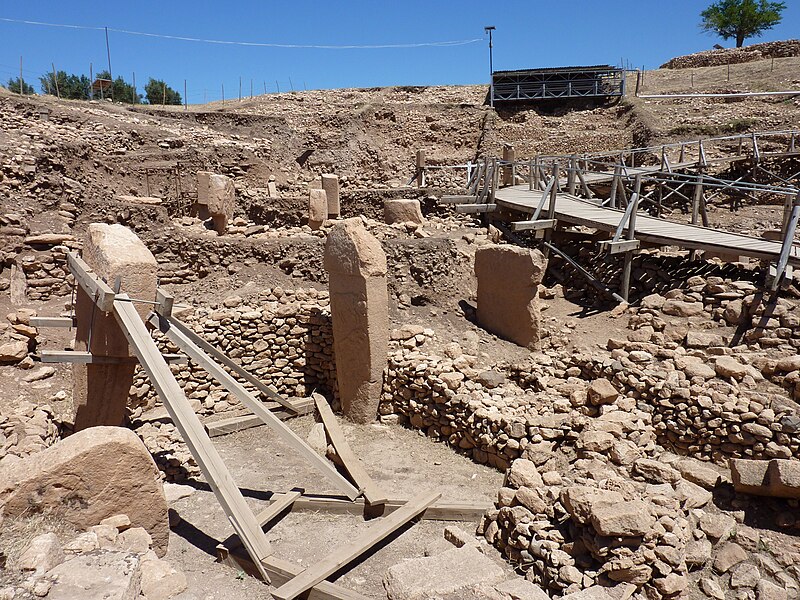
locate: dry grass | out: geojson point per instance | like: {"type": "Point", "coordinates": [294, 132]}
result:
{"type": "Point", "coordinates": [758, 76]}
{"type": "Point", "coordinates": [17, 532]}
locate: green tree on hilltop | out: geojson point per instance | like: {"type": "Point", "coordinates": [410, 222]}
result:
{"type": "Point", "coordinates": [13, 86]}
{"type": "Point", "coordinates": [73, 87]}
{"type": "Point", "coordinates": [158, 92]}
{"type": "Point", "coordinates": [741, 19]}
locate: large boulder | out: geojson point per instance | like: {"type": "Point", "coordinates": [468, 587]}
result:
{"type": "Point", "coordinates": [93, 474]}
{"type": "Point", "coordinates": [402, 211]}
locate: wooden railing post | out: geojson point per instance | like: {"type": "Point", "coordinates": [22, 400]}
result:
{"type": "Point", "coordinates": [420, 168]}
{"type": "Point", "coordinates": [630, 235]}
{"type": "Point", "coordinates": [571, 174]}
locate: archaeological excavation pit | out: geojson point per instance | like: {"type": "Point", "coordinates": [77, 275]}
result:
{"type": "Point", "coordinates": [474, 360]}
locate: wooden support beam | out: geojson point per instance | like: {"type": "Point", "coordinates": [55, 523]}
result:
{"type": "Point", "coordinates": [620, 247]}
{"type": "Point", "coordinates": [77, 357]}
{"type": "Point", "coordinates": [372, 492]}
{"type": "Point", "coordinates": [178, 337]}
{"type": "Point", "coordinates": [188, 424]}
{"type": "Point", "coordinates": [221, 358]}
{"type": "Point", "coordinates": [346, 554]}
{"type": "Point", "coordinates": [53, 322]}
{"type": "Point", "coordinates": [164, 302]}
{"type": "Point", "coordinates": [475, 208]}
{"type": "Point", "coordinates": [458, 199]}
{"type": "Point", "coordinates": [304, 406]}
{"type": "Point", "coordinates": [440, 511]}
{"type": "Point", "coordinates": [533, 225]}
{"type": "Point", "coordinates": [95, 288]}
{"type": "Point", "coordinates": [279, 504]}
{"type": "Point", "coordinates": [282, 571]}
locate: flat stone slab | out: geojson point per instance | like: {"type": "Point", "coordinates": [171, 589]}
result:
{"type": "Point", "coordinates": [444, 573]}
{"type": "Point", "coordinates": [98, 575]}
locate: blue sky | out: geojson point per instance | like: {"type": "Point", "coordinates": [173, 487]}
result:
{"type": "Point", "coordinates": [536, 33]}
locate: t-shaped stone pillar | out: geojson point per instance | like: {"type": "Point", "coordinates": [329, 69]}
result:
{"type": "Point", "coordinates": [508, 286]}
{"type": "Point", "coordinates": [100, 391]}
{"type": "Point", "coordinates": [356, 266]}
{"type": "Point", "coordinates": [216, 198]}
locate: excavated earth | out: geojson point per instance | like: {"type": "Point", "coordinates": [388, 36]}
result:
{"type": "Point", "coordinates": [460, 407]}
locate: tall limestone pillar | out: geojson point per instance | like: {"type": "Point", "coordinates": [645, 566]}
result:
{"type": "Point", "coordinates": [356, 266]}
{"type": "Point", "coordinates": [100, 391]}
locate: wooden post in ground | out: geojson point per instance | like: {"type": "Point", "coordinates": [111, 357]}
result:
{"type": "Point", "coordinates": [100, 391]}
{"type": "Point", "coordinates": [630, 235]}
{"type": "Point", "coordinates": [420, 168]}
{"type": "Point", "coordinates": [614, 184]}
{"type": "Point", "coordinates": [696, 200]}
{"type": "Point", "coordinates": [55, 80]}
{"type": "Point", "coordinates": [551, 208]}
{"type": "Point", "coordinates": [571, 175]}
{"type": "Point", "coordinates": [509, 156]}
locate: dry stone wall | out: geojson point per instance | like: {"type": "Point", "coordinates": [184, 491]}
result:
{"type": "Point", "coordinates": [730, 56]}
{"type": "Point", "coordinates": [285, 339]}
{"type": "Point", "coordinates": [46, 272]}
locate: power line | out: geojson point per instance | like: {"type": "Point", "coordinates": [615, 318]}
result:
{"type": "Point", "coordinates": [444, 44]}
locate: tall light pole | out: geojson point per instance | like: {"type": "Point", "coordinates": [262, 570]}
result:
{"type": "Point", "coordinates": [489, 29]}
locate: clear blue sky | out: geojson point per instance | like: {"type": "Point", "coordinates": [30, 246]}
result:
{"type": "Point", "coordinates": [536, 33]}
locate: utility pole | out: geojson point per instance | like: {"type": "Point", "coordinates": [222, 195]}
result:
{"type": "Point", "coordinates": [108, 52]}
{"type": "Point", "coordinates": [489, 29]}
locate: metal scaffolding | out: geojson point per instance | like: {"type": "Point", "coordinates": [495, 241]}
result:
{"type": "Point", "coordinates": [563, 82]}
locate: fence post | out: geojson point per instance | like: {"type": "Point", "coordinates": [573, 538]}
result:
{"type": "Point", "coordinates": [571, 174]}
{"type": "Point", "coordinates": [631, 234]}
{"type": "Point", "coordinates": [420, 168]}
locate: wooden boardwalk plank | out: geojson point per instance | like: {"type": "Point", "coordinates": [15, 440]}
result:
{"type": "Point", "coordinates": [372, 492]}
{"type": "Point", "coordinates": [571, 209]}
{"type": "Point", "coordinates": [349, 552]}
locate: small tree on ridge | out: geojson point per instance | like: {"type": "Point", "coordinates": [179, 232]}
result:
{"type": "Point", "coordinates": [741, 19]}
{"type": "Point", "coordinates": [158, 92]}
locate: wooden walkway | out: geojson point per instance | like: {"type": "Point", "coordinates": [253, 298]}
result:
{"type": "Point", "coordinates": [650, 230]}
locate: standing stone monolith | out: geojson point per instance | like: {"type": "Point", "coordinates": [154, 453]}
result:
{"type": "Point", "coordinates": [356, 266]}
{"type": "Point", "coordinates": [402, 211]}
{"type": "Point", "coordinates": [100, 391]}
{"type": "Point", "coordinates": [508, 286]}
{"type": "Point", "coordinates": [330, 183]}
{"type": "Point", "coordinates": [317, 208]}
{"type": "Point", "coordinates": [216, 198]}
